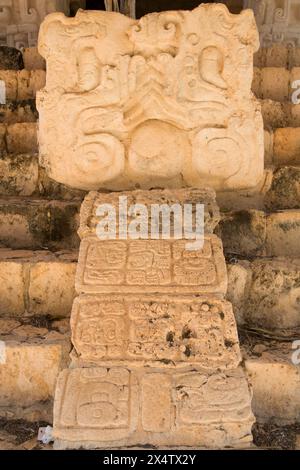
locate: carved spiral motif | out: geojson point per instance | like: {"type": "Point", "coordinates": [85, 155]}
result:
{"type": "Point", "coordinates": [101, 160]}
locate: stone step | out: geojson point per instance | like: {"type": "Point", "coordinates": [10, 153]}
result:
{"type": "Point", "coordinates": [18, 112]}
{"type": "Point", "coordinates": [277, 55]}
{"type": "Point", "coordinates": [27, 223]}
{"type": "Point", "coordinates": [276, 83]}
{"type": "Point", "coordinates": [22, 84]}
{"type": "Point", "coordinates": [250, 233]}
{"type": "Point", "coordinates": [265, 293]}
{"type": "Point", "coordinates": [276, 114]}
{"type": "Point", "coordinates": [37, 283]}
{"type": "Point", "coordinates": [31, 358]}
{"type": "Point", "coordinates": [275, 379]}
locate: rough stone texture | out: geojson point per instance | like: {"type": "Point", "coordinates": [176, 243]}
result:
{"type": "Point", "coordinates": [22, 84]}
{"type": "Point", "coordinates": [51, 288]}
{"type": "Point", "coordinates": [121, 413]}
{"type": "Point", "coordinates": [37, 224]}
{"type": "Point", "coordinates": [10, 59]}
{"type": "Point", "coordinates": [275, 89]}
{"type": "Point", "coordinates": [276, 21]}
{"type": "Point", "coordinates": [265, 293]}
{"type": "Point", "coordinates": [18, 175]}
{"type": "Point", "coordinates": [112, 104]}
{"type": "Point", "coordinates": [33, 60]}
{"type": "Point", "coordinates": [275, 382]}
{"type": "Point", "coordinates": [283, 230]}
{"type": "Point", "coordinates": [285, 189]}
{"type": "Point", "coordinates": [287, 146]}
{"type": "Point", "coordinates": [18, 111]}
{"type": "Point", "coordinates": [36, 283]}
{"type": "Point", "coordinates": [22, 138]}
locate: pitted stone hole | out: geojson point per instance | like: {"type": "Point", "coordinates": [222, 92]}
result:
{"type": "Point", "coordinates": [170, 338]}
{"type": "Point", "coordinates": [187, 333]}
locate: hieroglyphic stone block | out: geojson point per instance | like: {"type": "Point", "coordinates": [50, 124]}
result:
{"type": "Point", "coordinates": [164, 101]}
{"type": "Point", "coordinates": [20, 19]}
{"type": "Point", "coordinates": [278, 21]}
{"type": "Point", "coordinates": [175, 331]}
{"type": "Point", "coordinates": [139, 266]}
{"type": "Point", "coordinates": [206, 196]}
{"type": "Point", "coordinates": [109, 407]}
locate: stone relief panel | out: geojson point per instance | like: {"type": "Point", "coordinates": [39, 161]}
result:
{"type": "Point", "coordinates": [20, 19]}
{"type": "Point", "coordinates": [138, 266]}
{"type": "Point", "coordinates": [164, 101]}
{"type": "Point", "coordinates": [100, 407]}
{"type": "Point", "coordinates": [278, 21]}
{"type": "Point", "coordinates": [175, 332]}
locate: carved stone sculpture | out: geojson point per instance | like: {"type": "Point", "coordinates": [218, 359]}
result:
{"type": "Point", "coordinates": [164, 101]}
{"type": "Point", "coordinates": [156, 353]}
{"type": "Point", "coordinates": [20, 19]}
{"type": "Point", "coordinates": [278, 21]}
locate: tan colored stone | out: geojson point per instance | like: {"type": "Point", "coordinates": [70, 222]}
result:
{"type": "Point", "coordinates": [276, 388]}
{"type": "Point", "coordinates": [239, 277]}
{"type": "Point", "coordinates": [29, 372]}
{"type": "Point", "coordinates": [29, 82]}
{"type": "Point", "coordinates": [22, 138]}
{"type": "Point", "coordinates": [283, 234]}
{"type": "Point", "coordinates": [287, 146]}
{"type": "Point", "coordinates": [277, 55]}
{"type": "Point", "coordinates": [284, 192]}
{"type": "Point", "coordinates": [12, 288]}
{"type": "Point", "coordinates": [32, 59]}
{"type": "Point", "coordinates": [139, 266]}
{"type": "Point", "coordinates": [29, 331]}
{"type": "Point", "coordinates": [272, 298]}
{"type": "Point", "coordinates": [269, 143]}
{"type": "Point", "coordinates": [51, 288]}
{"type": "Point", "coordinates": [275, 114]}
{"type": "Point", "coordinates": [275, 83]}
{"type": "Point", "coordinates": [256, 83]}
{"type": "Point", "coordinates": [11, 85]}
{"type": "Point", "coordinates": [104, 407]}
{"type": "Point", "coordinates": [7, 325]}
{"type": "Point", "coordinates": [166, 109]}
{"type": "Point", "coordinates": [139, 329]}
{"type": "Point", "coordinates": [18, 175]}
{"type": "Point", "coordinates": [2, 139]}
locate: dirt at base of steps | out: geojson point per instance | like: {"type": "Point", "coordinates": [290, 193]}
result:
{"type": "Point", "coordinates": [22, 435]}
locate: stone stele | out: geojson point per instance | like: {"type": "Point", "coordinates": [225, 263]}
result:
{"type": "Point", "coordinates": [164, 101]}
{"type": "Point", "coordinates": [156, 352]}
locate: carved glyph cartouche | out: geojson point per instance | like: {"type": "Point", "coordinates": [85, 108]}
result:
{"type": "Point", "coordinates": [164, 101]}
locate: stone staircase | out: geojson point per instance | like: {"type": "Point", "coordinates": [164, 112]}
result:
{"type": "Point", "coordinates": [38, 251]}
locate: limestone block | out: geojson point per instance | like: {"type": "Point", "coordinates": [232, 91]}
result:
{"type": "Point", "coordinates": [275, 83]}
{"type": "Point", "coordinates": [18, 175]}
{"type": "Point", "coordinates": [9, 77]}
{"type": "Point", "coordinates": [18, 111]}
{"type": "Point", "coordinates": [287, 146]}
{"type": "Point", "coordinates": [275, 114]}
{"type": "Point", "coordinates": [139, 266]}
{"type": "Point", "coordinates": [269, 143]}
{"type": "Point", "coordinates": [256, 83]}
{"type": "Point", "coordinates": [12, 288]}
{"type": "Point", "coordinates": [32, 59]}
{"type": "Point", "coordinates": [164, 101]}
{"type": "Point", "coordinates": [276, 388]}
{"type": "Point", "coordinates": [22, 138]}
{"type": "Point", "coordinates": [283, 234]}
{"type": "Point", "coordinates": [51, 288]}
{"type": "Point", "coordinates": [285, 189]}
{"type": "Point", "coordinates": [278, 22]}
{"type": "Point", "coordinates": [2, 139]}
{"type": "Point", "coordinates": [29, 372]}
{"type": "Point", "coordinates": [29, 82]}
{"type": "Point", "coordinates": [155, 330]}
{"type": "Point", "coordinates": [239, 278]}
{"type": "Point", "coordinates": [10, 58]}
{"type": "Point", "coordinates": [114, 406]}
{"type": "Point", "coordinates": [272, 300]}
{"type": "Point", "coordinates": [207, 197]}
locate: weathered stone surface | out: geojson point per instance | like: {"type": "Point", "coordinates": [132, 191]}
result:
{"type": "Point", "coordinates": [34, 223]}
{"type": "Point", "coordinates": [18, 175]}
{"type": "Point", "coordinates": [51, 288]}
{"type": "Point", "coordinates": [275, 83]}
{"type": "Point", "coordinates": [243, 232]}
{"type": "Point", "coordinates": [272, 294]}
{"type": "Point", "coordinates": [139, 266]}
{"type": "Point", "coordinates": [283, 234]}
{"type": "Point", "coordinates": [287, 146]}
{"type": "Point", "coordinates": [239, 278]}
{"type": "Point", "coordinates": [173, 331]}
{"type": "Point", "coordinates": [88, 211]}
{"type": "Point", "coordinates": [10, 59]}
{"type": "Point", "coordinates": [127, 117]}
{"type": "Point", "coordinates": [285, 189]}
{"type": "Point", "coordinates": [275, 381]}
{"type": "Point", "coordinates": [18, 111]}
{"type": "Point", "coordinates": [32, 59]}
{"type": "Point", "coordinates": [22, 138]}
{"type": "Point", "coordinates": [104, 407]}
{"type": "Point", "coordinates": [36, 283]}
